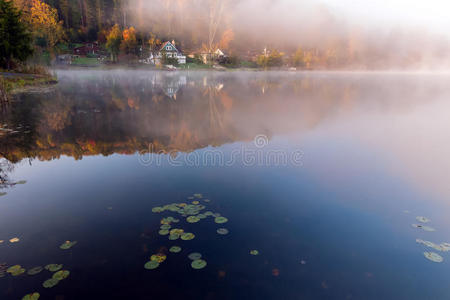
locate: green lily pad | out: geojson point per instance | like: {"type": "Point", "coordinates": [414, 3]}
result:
{"type": "Point", "coordinates": [222, 231]}
{"type": "Point", "coordinates": [165, 227]}
{"type": "Point", "coordinates": [192, 219]}
{"type": "Point", "coordinates": [433, 257]}
{"type": "Point", "coordinates": [195, 256]}
{"type": "Point", "coordinates": [151, 265]}
{"type": "Point", "coordinates": [422, 219]}
{"type": "Point", "coordinates": [174, 237]}
{"type": "Point", "coordinates": [175, 249]}
{"type": "Point", "coordinates": [220, 220]}
{"type": "Point", "coordinates": [14, 268]}
{"type": "Point", "coordinates": [67, 245]}
{"type": "Point", "coordinates": [207, 200]}
{"type": "Point", "coordinates": [445, 246]}
{"type": "Point", "coordinates": [53, 267]}
{"type": "Point", "coordinates": [35, 270]}
{"type": "Point", "coordinates": [208, 213]}
{"type": "Point", "coordinates": [160, 257]}
{"type": "Point", "coordinates": [33, 296]}
{"type": "Point", "coordinates": [21, 182]}
{"type": "Point", "coordinates": [177, 231]}
{"type": "Point", "coordinates": [49, 283]}
{"type": "Point", "coordinates": [201, 216]}
{"type": "Point", "coordinates": [254, 252]}
{"type": "Point", "coordinates": [198, 264]}
{"type": "Point", "coordinates": [60, 275]}
{"type": "Point", "coordinates": [164, 232]}
{"type": "Point", "coordinates": [198, 196]}
{"type": "Point", "coordinates": [157, 209]}
{"type": "Point", "coordinates": [187, 236]}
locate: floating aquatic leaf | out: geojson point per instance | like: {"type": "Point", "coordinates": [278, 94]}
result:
{"type": "Point", "coordinates": [2, 194]}
{"type": "Point", "coordinates": [21, 182]}
{"type": "Point", "coordinates": [183, 204]}
{"type": "Point", "coordinates": [160, 257]}
{"type": "Point", "coordinates": [208, 213]}
{"type": "Point", "coordinates": [67, 245]}
{"type": "Point", "coordinates": [433, 257]}
{"type": "Point", "coordinates": [157, 209]}
{"type": "Point", "coordinates": [35, 270]}
{"type": "Point", "coordinates": [33, 296]}
{"type": "Point", "coordinates": [60, 275]}
{"type": "Point", "coordinates": [423, 219]}
{"type": "Point", "coordinates": [165, 227]}
{"type": "Point", "coordinates": [174, 237]}
{"type": "Point", "coordinates": [151, 265]}
{"type": "Point", "coordinates": [198, 264]}
{"type": "Point", "coordinates": [14, 268]}
{"type": "Point", "coordinates": [254, 252]}
{"type": "Point", "coordinates": [164, 232]}
{"type": "Point", "coordinates": [195, 256]}
{"type": "Point", "coordinates": [201, 216]}
{"type": "Point", "coordinates": [187, 236]}
{"type": "Point", "coordinates": [176, 220]}
{"type": "Point", "coordinates": [175, 249]}
{"type": "Point", "coordinates": [222, 231]}
{"type": "Point", "coordinates": [53, 267]}
{"type": "Point", "coordinates": [192, 219]}
{"type": "Point", "coordinates": [195, 202]}
{"type": "Point", "coordinates": [445, 246]}
{"type": "Point", "coordinates": [431, 245]}
{"type": "Point", "coordinates": [220, 220]}
{"type": "Point", "coordinates": [216, 215]}
{"type": "Point", "coordinates": [49, 283]}
{"type": "Point", "coordinates": [14, 240]}
{"type": "Point", "coordinates": [198, 195]}
{"type": "Point", "coordinates": [207, 200]}
{"type": "Point", "coordinates": [423, 227]}
{"type": "Point", "coordinates": [177, 231]}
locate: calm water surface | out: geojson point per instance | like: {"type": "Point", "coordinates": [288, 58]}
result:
{"type": "Point", "coordinates": [322, 173]}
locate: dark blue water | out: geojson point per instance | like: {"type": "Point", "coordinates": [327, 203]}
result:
{"type": "Point", "coordinates": [321, 195]}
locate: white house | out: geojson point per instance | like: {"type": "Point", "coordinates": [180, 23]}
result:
{"type": "Point", "coordinates": [168, 49]}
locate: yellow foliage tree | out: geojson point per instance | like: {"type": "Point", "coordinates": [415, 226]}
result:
{"type": "Point", "coordinates": [129, 42]}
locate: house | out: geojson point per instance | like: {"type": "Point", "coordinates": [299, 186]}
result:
{"type": "Point", "coordinates": [87, 48]}
{"type": "Point", "coordinates": [169, 50]}
{"type": "Point", "coordinates": [213, 56]}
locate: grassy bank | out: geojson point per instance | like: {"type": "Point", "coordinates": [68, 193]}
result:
{"type": "Point", "coordinates": [15, 82]}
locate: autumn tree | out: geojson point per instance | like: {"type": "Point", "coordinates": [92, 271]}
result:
{"type": "Point", "coordinates": [298, 58]}
{"type": "Point", "coordinates": [113, 41]}
{"type": "Point", "coordinates": [15, 41]}
{"type": "Point", "coordinates": [129, 41]}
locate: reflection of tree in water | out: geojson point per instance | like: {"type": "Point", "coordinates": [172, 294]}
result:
{"type": "Point", "coordinates": [6, 167]}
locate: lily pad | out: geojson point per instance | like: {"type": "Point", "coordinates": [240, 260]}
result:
{"type": "Point", "coordinates": [175, 249]}
{"type": "Point", "coordinates": [177, 231]}
{"type": "Point", "coordinates": [3, 194]}
{"type": "Point", "coordinates": [35, 270]}
{"type": "Point", "coordinates": [422, 219]}
{"type": "Point", "coordinates": [254, 252]}
{"type": "Point", "coordinates": [207, 200]}
{"type": "Point", "coordinates": [151, 265]}
{"type": "Point", "coordinates": [198, 196]}
{"type": "Point", "coordinates": [164, 232]}
{"type": "Point", "coordinates": [160, 257]}
{"type": "Point", "coordinates": [157, 209]}
{"type": "Point", "coordinates": [195, 256]}
{"type": "Point", "coordinates": [433, 257]}
{"type": "Point", "coordinates": [222, 231]}
{"type": "Point", "coordinates": [49, 283]}
{"type": "Point", "coordinates": [198, 264]}
{"type": "Point", "coordinates": [192, 219]}
{"type": "Point", "coordinates": [165, 227]}
{"type": "Point", "coordinates": [53, 267]}
{"type": "Point", "coordinates": [187, 236]}
{"type": "Point", "coordinates": [33, 296]}
{"type": "Point", "coordinates": [67, 245]}
{"type": "Point", "coordinates": [195, 202]}
{"type": "Point", "coordinates": [60, 275]}
{"type": "Point", "coordinates": [423, 227]}
{"type": "Point", "coordinates": [220, 220]}
{"type": "Point", "coordinates": [174, 237]}
{"type": "Point", "coordinates": [16, 270]}
{"type": "Point", "coordinates": [445, 246]}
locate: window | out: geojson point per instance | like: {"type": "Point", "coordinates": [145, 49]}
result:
{"type": "Point", "coordinates": [169, 47]}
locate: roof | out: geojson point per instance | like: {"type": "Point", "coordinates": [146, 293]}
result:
{"type": "Point", "coordinates": [168, 44]}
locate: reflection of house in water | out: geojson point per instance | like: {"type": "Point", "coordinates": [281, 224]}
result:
{"type": "Point", "coordinates": [170, 84]}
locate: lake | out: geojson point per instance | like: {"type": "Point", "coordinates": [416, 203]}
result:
{"type": "Point", "coordinates": [322, 175]}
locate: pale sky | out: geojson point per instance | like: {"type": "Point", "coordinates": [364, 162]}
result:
{"type": "Point", "coordinates": [431, 14]}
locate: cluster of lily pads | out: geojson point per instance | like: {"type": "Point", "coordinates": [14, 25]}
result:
{"type": "Point", "coordinates": [192, 212]}
{"type": "Point", "coordinates": [443, 247]}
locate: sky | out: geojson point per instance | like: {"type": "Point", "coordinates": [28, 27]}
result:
{"type": "Point", "coordinates": [433, 15]}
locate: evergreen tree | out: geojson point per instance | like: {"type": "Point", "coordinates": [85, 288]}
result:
{"type": "Point", "coordinates": [15, 41]}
